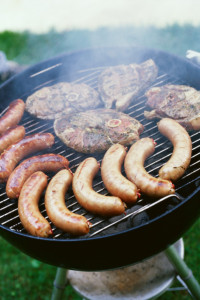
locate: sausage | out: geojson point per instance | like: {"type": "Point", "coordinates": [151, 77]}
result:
{"type": "Point", "coordinates": [28, 209]}
{"type": "Point", "coordinates": [114, 181]}
{"type": "Point", "coordinates": [182, 149]}
{"type": "Point", "coordinates": [87, 197]}
{"type": "Point", "coordinates": [11, 136]}
{"type": "Point", "coordinates": [12, 116]}
{"type": "Point", "coordinates": [46, 163]}
{"type": "Point", "coordinates": [56, 208]}
{"type": "Point", "coordinates": [135, 171]}
{"type": "Point", "coordinates": [13, 154]}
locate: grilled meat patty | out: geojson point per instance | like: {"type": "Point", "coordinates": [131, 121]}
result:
{"type": "Point", "coordinates": [178, 102]}
{"type": "Point", "coordinates": [64, 97]}
{"type": "Point", "coordinates": [120, 85]}
{"type": "Point", "coordinates": [96, 130]}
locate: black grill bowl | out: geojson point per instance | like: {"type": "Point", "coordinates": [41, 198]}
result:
{"type": "Point", "coordinates": [112, 251]}
{"type": "Point", "coordinates": [124, 245]}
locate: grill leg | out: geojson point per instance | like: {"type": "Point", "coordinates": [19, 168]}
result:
{"type": "Point", "coordinates": [59, 284]}
{"type": "Point", "coordinates": [184, 272]}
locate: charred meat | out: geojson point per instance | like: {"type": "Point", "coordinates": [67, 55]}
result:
{"type": "Point", "coordinates": [120, 85]}
{"type": "Point", "coordinates": [52, 101]}
{"type": "Point", "coordinates": [178, 102]}
{"type": "Point", "coordinates": [96, 130]}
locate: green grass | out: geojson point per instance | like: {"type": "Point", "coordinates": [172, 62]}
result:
{"type": "Point", "coordinates": [28, 48]}
{"type": "Point", "coordinates": [22, 277]}
{"type": "Point", "coordinates": [25, 278]}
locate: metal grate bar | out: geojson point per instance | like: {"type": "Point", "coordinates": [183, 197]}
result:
{"type": "Point", "coordinates": [140, 210]}
{"type": "Point", "coordinates": [8, 209]}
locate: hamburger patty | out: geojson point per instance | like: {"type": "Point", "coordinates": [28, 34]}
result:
{"type": "Point", "coordinates": [96, 130]}
{"type": "Point", "coordinates": [64, 97]}
{"type": "Point", "coordinates": [120, 85]}
{"type": "Point", "coordinates": [179, 102]}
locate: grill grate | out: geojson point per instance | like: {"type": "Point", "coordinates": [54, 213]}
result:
{"type": "Point", "coordinates": [8, 208]}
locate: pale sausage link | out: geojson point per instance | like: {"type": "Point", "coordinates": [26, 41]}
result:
{"type": "Point", "coordinates": [46, 163]}
{"type": "Point", "coordinates": [56, 208]}
{"type": "Point", "coordinates": [114, 181]}
{"type": "Point", "coordinates": [135, 171]}
{"type": "Point", "coordinates": [12, 116]}
{"type": "Point", "coordinates": [87, 197]}
{"type": "Point", "coordinates": [29, 213]}
{"type": "Point", "coordinates": [16, 152]}
{"type": "Point", "coordinates": [182, 152]}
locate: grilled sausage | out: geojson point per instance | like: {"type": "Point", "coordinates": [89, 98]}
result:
{"type": "Point", "coordinates": [114, 181]}
{"type": "Point", "coordinates": [45, 163]}
{"type": "Point", "coordinates": [87, 197]}
{"type": "Point", "coordinates": [12, 116]}
{"type": "Point", "coordinates": [28, 209]}
{"type": "Point", "coordinates": [181, 156]}
{"type": "Point", "coordinates": [56, 208]}
{"type": "Point", "coordinates": [135, 171]}
{"type": "Point", "coordinates": [13, 154]}
{"type": "Point", "coordinates": [11, 136]}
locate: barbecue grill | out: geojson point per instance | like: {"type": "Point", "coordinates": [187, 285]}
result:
{"type": "Point", "coordinates": [148, 227]}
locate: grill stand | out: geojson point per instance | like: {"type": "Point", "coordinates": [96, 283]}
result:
{"type": "Point", "coordinates": [184, 272]}
{"type": "Point", "coordinates": [186, 276]}
{"type": "Point", "coordinates": [59, 284]}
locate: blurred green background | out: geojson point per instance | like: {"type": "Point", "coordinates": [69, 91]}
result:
{"type": "Point", "coordinates": [29, 48]}
{"type": "Point", "coordinates": [22, 277]}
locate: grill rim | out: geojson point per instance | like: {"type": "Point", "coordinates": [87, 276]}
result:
{"type": "Point", "coordinates": [147, 52]}
{"type": "Point", "coordinates": [155, 219]}
{"type": "Point", "coordinates": [93, 237]}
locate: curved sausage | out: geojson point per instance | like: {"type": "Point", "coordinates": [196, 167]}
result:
{"type": "Point", "coordinates": [46, 163]}
{"type": "Point", "coordinates": [12, 116]}
{"type": "Point", "coordinates": [13, 154]}
{"type": "Point", "coordinates": [114, 181]}
{"type": "Point", "coordinates": [28, 209]}
{"type": "Point", "coordinates": [56, 208]}
{"type": "Point", "coordinates": [135, 171]}
{"type": "Point", "coordinates": [182, 152]}
{"type": "Point", "coordinates": [87, 197]}
{"type": "Point", "coordinates": [11, 136]}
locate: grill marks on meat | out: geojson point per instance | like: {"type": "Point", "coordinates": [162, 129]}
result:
{"type": "Point", "coordinates": [179, 102]}
{"type": "Point", "coordinates": [96, 130]}
{"type": "Point", "coordinates": [120, 85]}
{"type": "Point", "coordinates": [62, 98]}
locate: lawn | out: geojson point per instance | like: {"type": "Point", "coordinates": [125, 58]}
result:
{"type": "Point", "coordinates": [23, 277]}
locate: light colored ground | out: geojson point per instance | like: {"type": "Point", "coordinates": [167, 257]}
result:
{"type": "Point", "coordinates": [42, 15]}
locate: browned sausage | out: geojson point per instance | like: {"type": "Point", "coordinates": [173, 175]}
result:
{"type": "Point", "coordinates": [181, 156]}
{"type": "Point", "coordinates": [56, 208]}
{"type": "Point", "coordinates": [87, 197]}
{"type": "Point", "coordinates": [13, 154]}
{"type": "Point", "coordinates": [46, 162]}
{"type": "Point", "coordinates": [135, 171]}
{"type": "Point", "coordinates": [114, 181]}
{"type": "Point", "coordinates": [28, 209]}
{"type": "Point", "coordinates": [12, 116]}
{"type": "Point", "coordinates": [11, 136]}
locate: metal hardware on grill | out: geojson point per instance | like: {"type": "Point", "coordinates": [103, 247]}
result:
{"type": "Point", "coordinates": [33, 125]}
{"type": "Point", "coordinates": [104, 231]}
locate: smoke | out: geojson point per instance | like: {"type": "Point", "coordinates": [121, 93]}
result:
{"type": "Point", "coordinates": [31, 48]}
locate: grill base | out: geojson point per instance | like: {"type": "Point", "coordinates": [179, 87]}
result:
{"type": "Point", "coordinates": [144, 280]}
